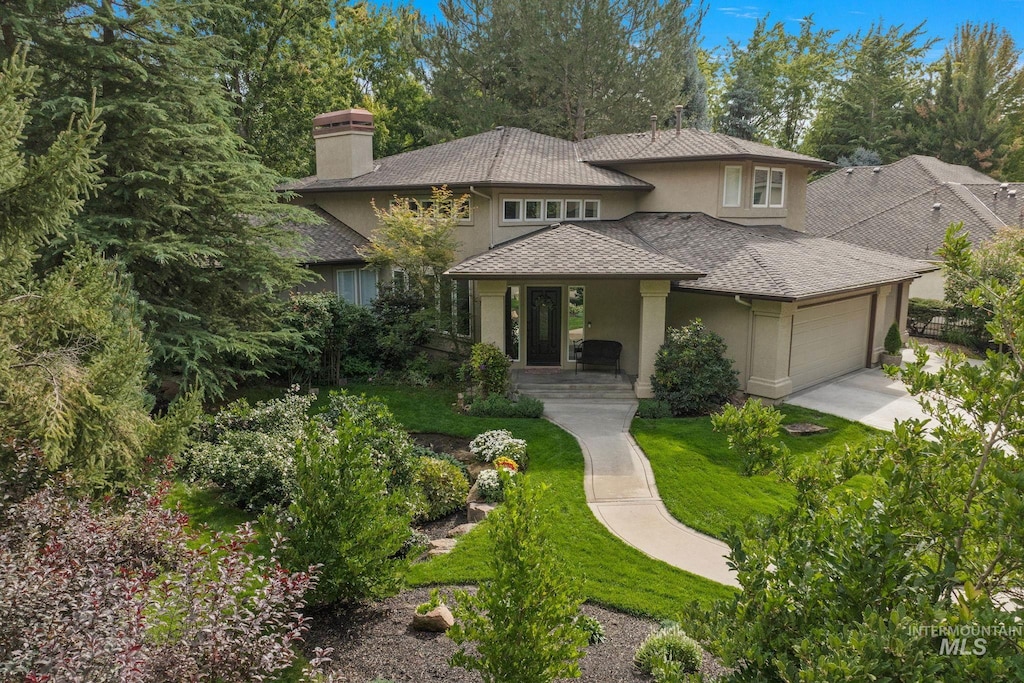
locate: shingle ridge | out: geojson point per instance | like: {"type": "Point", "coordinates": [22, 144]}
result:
{"type": "Point", "coordinates": [976, 205]}
{"type": "Point", "coordinates": [489, 177]}
{"type": "Point", "coordinates": [761, 262]}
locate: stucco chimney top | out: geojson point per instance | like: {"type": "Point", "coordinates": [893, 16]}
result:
{"type": "Point", "coordinates": [342, 121]}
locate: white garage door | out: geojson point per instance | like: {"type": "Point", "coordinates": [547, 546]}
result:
{"type": "Point", "coordinates": [829, 340]}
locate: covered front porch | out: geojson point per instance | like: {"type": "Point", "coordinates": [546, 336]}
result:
{"type": "Point", "coordinates": [537, 297]}
{"type": "Point", "coordinates": [539, 324]}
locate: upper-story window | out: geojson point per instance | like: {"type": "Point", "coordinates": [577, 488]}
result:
{"type": "Point", "coordinates": [512, 210]}
{"type": "Point", "coordinates": [769, 187]}
{"type": "Point", "coordinates": [732, 195]}
{"type": "Point", "coordinates": [522, 210]}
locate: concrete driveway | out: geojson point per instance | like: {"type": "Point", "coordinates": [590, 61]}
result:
{"type": "Point", "coordinates": [867, 396]}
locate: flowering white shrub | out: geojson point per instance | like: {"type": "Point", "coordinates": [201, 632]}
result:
{"type": "Point", "coordinates": [499, 443]}
{"type": "Point", "coordinates": [490, 487]}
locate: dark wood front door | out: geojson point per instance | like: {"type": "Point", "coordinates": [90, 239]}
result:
{"type": "Point", "coordinates": [544, 326]}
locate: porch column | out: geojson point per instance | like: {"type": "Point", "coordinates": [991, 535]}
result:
{"type": "Point", "coordinates": [772, 335]}
{"type": "Point", "coordinates": [492, 311]}
{"type": "Point", "coordinates": [882, 321]}
{"type": "Point", "coordinates": [653, 295]}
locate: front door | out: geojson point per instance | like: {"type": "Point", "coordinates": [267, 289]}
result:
{"type": "Point", "coordinates": [544, 326]}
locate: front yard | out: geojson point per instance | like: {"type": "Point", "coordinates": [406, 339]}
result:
{"type": "Point", "coordinates": [701, 481]}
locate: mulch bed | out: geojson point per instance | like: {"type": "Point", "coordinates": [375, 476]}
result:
{"type": "Point", "coordinates": [376, 641]}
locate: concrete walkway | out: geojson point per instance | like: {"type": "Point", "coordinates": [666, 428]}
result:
{"type": "Point", "coordinates": [621, 491]}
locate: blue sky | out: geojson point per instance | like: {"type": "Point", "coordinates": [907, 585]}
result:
{"type": "Point", "coordinates": [736, 20]}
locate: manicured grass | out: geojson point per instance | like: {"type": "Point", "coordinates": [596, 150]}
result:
{"type": "Point", "coordinates": [701, 481]}
{"type": "Point", "coordinates": [616, 574]}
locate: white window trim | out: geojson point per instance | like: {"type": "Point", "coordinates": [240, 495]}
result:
{"type": "Point", "coordinates": [561, 209]}
{"type": "Point", "coordinates": [768, 188]}
{"type": "Point", "coordinates": [361, 300]}
{"type": "Point", "coordinates": [591, 201]}
{"type": "Point", "coordinates": [725, 187]}
{"type": "Point", "coordinates": [540, 215]}
{"type": "Point", "coordinates": [565, 209]}
{"type": "Point", "coordinates": [782, 203]}
{"type": "Point", "coordinates": [521, 210]}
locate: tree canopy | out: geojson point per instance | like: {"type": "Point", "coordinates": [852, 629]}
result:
{"type": "Point", "coordinates": [568, 68]}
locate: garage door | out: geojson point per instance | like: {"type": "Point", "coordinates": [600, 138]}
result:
{"type": "Point", "coordinates": [829, 340]}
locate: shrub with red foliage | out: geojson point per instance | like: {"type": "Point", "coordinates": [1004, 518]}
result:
{"type": "Point", "coordinates": [105, 592]}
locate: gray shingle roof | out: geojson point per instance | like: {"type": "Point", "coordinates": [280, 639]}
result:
{"type": "Point", "coordinates": [504, 156]}
{"type": "Point", "coordinates": [689, 143]}
{"type": "Point", "coordinates": [763, 261]}
{"type": "Point", "coordinates": [329, 242]}
{"type": "Point", "coordinates": [997, 199]}
{"type": "Point", "coordinates": [571, 250]}
{"type": "Point", "coordinates": [519, 157]}
{"type": "Point", "coordinates": [892, 209]}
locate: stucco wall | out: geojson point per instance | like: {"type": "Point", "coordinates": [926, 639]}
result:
{"type": "Point", "coordinates": [325, 283]}
{"type": "Point", "coordinates": [699, 186]}
{"type": "Point", "coordinates": [929, 286]}
{"type": "Point", "coordinates": [722, 315]}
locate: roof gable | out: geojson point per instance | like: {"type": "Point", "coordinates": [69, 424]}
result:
{"type": "Point", "coordinates": [571, 250]}
{"type": "Point", "coordinates": [328, 242]}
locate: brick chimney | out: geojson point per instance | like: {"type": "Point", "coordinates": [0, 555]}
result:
{"type": "Point", "coordinates": [344, 144]}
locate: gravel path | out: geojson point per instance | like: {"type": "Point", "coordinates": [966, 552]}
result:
{"type": "Point", "coordinates": [376, 641]}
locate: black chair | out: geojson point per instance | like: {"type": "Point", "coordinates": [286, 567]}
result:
{"type": "Point", "coordinates": [598, 352]}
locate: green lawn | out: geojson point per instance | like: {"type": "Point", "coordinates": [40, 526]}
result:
{"type": "Point", "coordinates": [616, 574]}
{"type": "Point", "coordinates": [701, 480]}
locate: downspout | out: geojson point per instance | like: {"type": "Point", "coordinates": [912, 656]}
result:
{"type": "Point", "coordinates": [741, 302]}
{"type": "Point", "coordinates": [490, 241]}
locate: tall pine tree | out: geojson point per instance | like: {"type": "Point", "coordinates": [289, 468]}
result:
{"type": "Point", "coordinates": [184, 206]}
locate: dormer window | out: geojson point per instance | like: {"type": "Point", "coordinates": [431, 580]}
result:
{"type": "Point", "coordinates": [732, 195]}
{"type": "Point", "coordinates": [769, 188]}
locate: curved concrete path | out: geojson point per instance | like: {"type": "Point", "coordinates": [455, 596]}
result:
{"type": "Point", "coordinates": [622, 494]}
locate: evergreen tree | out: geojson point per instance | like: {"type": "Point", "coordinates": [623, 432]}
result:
{"type": "Point", "coordinates": [742, 108]}
{"type": "Point", "coordinates": [73, 361]}
{"type": "Point", "coordinates": [184, 205]}
{"type": "Point", "coordinates": [876, 89]}
{"type": "Point", "coordinates": [569, 68]}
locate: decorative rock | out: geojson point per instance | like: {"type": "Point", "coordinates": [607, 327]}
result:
{"type": "Point", "coordinates": [461, 530]}
{"type": "Point", "coordinates": [477, 512]}
{"type": "Point", "coordinates": [804, 429]}
{"type": "Point", "coordinates": [437, 620]}
{"type": "Point", "coordinates": [441, 546]}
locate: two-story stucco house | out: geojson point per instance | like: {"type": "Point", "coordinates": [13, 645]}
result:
{"type": "Point", "coordinates": [618, 237]}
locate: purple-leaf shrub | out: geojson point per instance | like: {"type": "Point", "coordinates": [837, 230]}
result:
{"type": "Point", "coordinates": [98, 592]}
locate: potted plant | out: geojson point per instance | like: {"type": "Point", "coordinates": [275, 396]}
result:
{"type": "Point", "coordinates": [893, 345]}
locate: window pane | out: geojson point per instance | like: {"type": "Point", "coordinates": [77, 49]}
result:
{"type": "Point", "coordinates": [733, 185]}
{"type": "Point", "coordinates": [398, 280]}
{"type": "Point", "coordinates": [347, 285]}
{"type": "Point", "coordinates": [577, 318]}
{"type": "Point", "coordinates": [553, 209]}
{"type": "Point", "coordinates": [572, 208]}
{"type": "Point", "coordinates": [512, 209]}
{"type": "Point", "coordinates": [462, 303]}
{"type": "Point", "coordinates": [367, 286]}
{"type": "Point", "coordinates": [533, 209]}
{"type": "Point", "coordinates": [778, 182]}
{"type": "Point", "coordinates": [512, 322]}
{"type": "Point", "coordinates": [760, 187]}
{"type": "Point", "coordinates": [592, 209]}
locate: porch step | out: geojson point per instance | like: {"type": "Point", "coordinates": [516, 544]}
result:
{"type": "Point", "coordinates": [570, 385]}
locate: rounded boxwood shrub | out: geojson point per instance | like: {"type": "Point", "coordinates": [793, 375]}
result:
{"type": "Point", "coordinates": [667, 653]}
{"type": "Point", "coordinates": [442, 486]}
{"type": "Point", "coordinates": [499, 406]}
{"type": "Point", "coordinates": [691, 372]}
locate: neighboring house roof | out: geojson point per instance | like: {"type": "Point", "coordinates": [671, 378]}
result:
{"type": "Point", "coordinates": [689, 144]}
{"type": "Point", "coordinates": [892, 208]}
{"type": "Point", "coordinates": [516, 157]}
{"type": "Point", "coordinates": [499, 157]}
{"type": "Point", "coordinates": [328, 242]}
{"type": "Point", "coordinates": [573, 251]}
{"type": "Point", "coordinates": [769, 262]}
